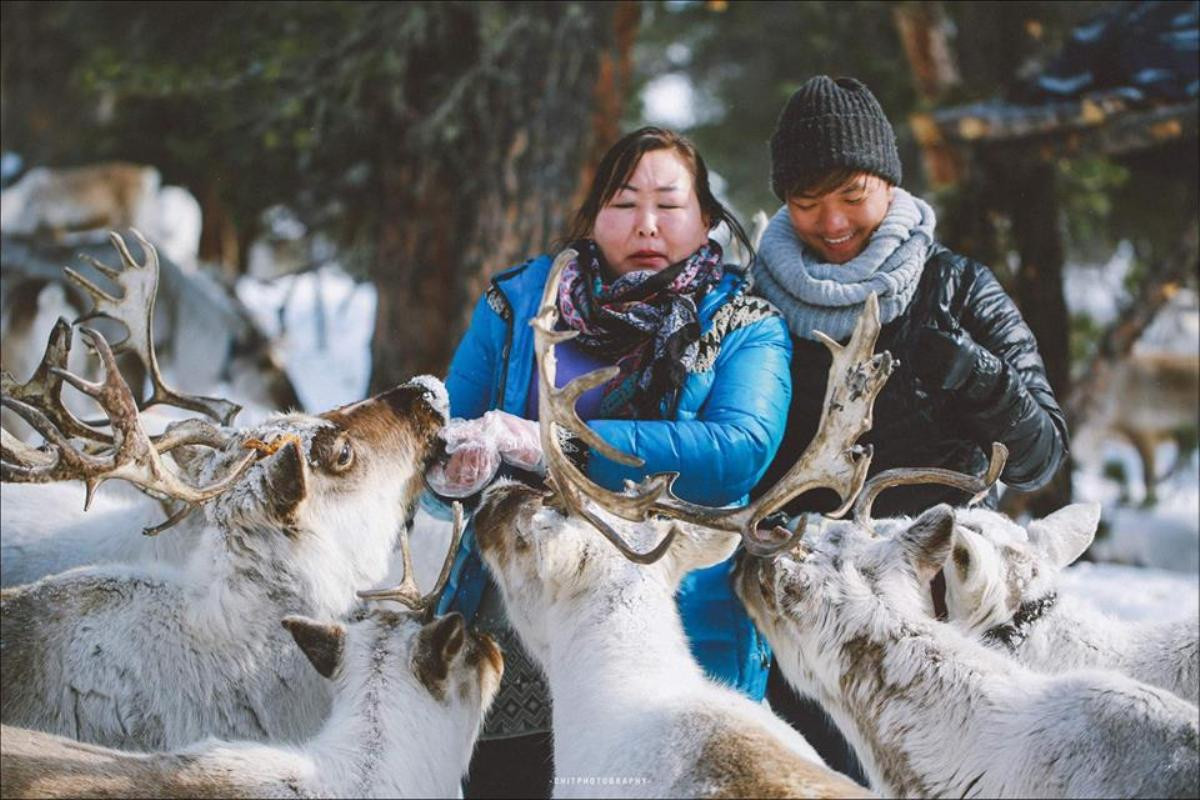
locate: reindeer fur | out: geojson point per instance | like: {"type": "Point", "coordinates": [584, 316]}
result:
{"type": "Point", "coordinates": [634, 714]}
{"type": "Point", "coordinates": [408, 701]}
{"type": "Point", "coordinates": [158, 656]}
{"type": "Point", "coordinates": [997, 567]}
{"type": "Point", "coordinates": [934, 714]}
{"type": "Point", "coordinates": [44, 530]}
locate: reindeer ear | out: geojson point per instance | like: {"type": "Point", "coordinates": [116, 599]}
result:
{"type": "Point", "coordinates": [928, 540]}
{"type": "Point", "coordinates": [322, 643]}
{"type": "Point", "coordinates": [437, 645]}
{"type": "Point", "coordinates": [1067, 533]}
{"type": "Point", "coordinates": [287, 480]}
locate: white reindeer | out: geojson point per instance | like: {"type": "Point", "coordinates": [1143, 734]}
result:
{"type": "Point", "coordinates": [44, 530]}
{"type": "Point", "coordinates": [1001, 588]}
{"type": "Point", "coordinates": [408, 701]}
{"type": "Point", "coordinates": [633, 713]}
{"type": "Point", "coordinates": [86, 653]}
{"type": "Point", "coordinates": [934, 714]}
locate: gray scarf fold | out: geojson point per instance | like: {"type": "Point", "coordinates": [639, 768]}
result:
{"type": "Point", "coordinates": [813, 295]}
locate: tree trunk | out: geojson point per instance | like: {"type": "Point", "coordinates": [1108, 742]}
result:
{"type": "Point", "coordinates": [1027, 189]}
{"type": "Point", "coordinates": [925, 32]}
{"type": "Point", "coordinates": [490, 176]}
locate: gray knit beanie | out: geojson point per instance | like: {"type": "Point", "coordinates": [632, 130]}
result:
{"type": "Point", "coordinates": [830, 124]}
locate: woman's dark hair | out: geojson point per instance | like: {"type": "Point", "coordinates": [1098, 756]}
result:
{"type": "Point", "coordinates": [622, 159]}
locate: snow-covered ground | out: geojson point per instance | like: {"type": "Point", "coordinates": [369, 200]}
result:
{"type": "Point", "coordinates": [328, 368]}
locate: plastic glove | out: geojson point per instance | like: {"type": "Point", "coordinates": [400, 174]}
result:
{"type": "Point", "coordinates": [518, 440]}
{"type": "Point", "coordinates": [465, 471]}
{"type": "Point", "coordinates": [476, 447]}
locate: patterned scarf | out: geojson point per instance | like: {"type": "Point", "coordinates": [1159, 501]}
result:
{"type": "Point", "coordinates": [814, 295]}
{"type": "Point", "coordinates": [646, 320]}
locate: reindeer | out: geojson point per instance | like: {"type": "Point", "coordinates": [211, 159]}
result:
{"type": "Point", "coordinates": [633, 713]}
{"type": "Point", "coordinates": [1001, 589]}
{"type": "Point", "coordinates": [1152, 398]}
{"type": "Point", "coordinates": [46, 531]}
{"type": "Point", "coordinates": [206, 336]}
{"type": "Point", "coordinates": [298, 512]}
{"type": "Point", "coordinates": [934, 714]}
{"type": "Point", "coordinates": [75, 205]}
{"type": "Point", "coordinates": [38, 542]}
{"type": "Point", "coordinates": [408, 700]}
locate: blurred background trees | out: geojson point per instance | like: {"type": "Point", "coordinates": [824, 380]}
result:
{"type": "Point", "coordinates": [431, 141]}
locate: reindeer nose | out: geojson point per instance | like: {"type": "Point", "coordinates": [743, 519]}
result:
{"type": "Point", "coordinates": [425, 390]}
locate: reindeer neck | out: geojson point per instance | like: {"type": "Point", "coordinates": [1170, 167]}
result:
{"type": "Point", "coordinates": [1073, 633]}
{"type": "Point", "coordinates": [388, 738]}
{"type": "Point", "coordinates": [610, 644]}
{"type": "Point", "coordinates": [930, 676]}
{"type": "Point", "coordinates": [233, 586]}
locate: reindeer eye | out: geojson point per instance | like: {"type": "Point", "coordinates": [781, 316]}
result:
{"type": "Point", "coordinates": [345, 457]}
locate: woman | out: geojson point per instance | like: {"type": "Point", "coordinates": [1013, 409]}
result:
{"type": "Point", "coordinates": [702, 390]}
{"type": "Point", "coordinates": [969, 372]}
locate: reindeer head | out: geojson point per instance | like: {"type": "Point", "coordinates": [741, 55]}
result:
{"type": "Point", "coordinates": [546, 562]}
{"type": "Point", "coordinates": [840, 582]}
{"type": "Point", "coordinates": [996, 565]}
{"type": "Point", "coordinates": [333, 490]}
{"type": "Point", "coordinates": [416, 681]}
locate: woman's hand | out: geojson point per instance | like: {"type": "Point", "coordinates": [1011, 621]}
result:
{"type": "Point", "coordinates": [476, 447]}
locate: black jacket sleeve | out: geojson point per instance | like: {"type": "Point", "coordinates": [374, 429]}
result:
{"type": "Point", "coordinates": [1017, 406]}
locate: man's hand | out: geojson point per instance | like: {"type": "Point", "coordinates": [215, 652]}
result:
{"type": "Point", "coordinates": [944, 360]}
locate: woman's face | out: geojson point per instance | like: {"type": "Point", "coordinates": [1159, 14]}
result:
{"type": "Point", "coordinates": [838, 224]}
{"type": "Point", "coordinates": [654, 220]}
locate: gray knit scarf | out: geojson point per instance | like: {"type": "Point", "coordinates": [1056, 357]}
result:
{"type": "Point", "coordinates": [814, 295]}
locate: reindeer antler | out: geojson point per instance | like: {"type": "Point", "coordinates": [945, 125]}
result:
{"type": "Point", "coordinates": [43, 391]}
{"type": "Point", "coordinates": [905, 476]}
{"type": "Point", "coordinates": [407, 592]}
{"type": "Point", "coordinates": [832, 460]}
{"type": "Point", "coordinates": [131, 454]}
{"type": "Point", "coordinates": [135, 310]}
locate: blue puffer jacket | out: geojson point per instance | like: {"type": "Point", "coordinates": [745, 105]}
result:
{"type": "Point", "coordinates": [727, 426]}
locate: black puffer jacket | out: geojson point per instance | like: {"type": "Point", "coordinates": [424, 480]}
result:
{"type": "Point", "coordinates": [920, 426]}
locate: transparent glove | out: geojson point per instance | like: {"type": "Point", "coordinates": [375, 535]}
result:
{"type": "Point", "coordinates": [518, 440]}
{"type": "Point", "coordinates": [475, 448]}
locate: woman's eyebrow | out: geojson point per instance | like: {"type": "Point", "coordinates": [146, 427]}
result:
{"type": "Point", "coordinates": [671, 187]}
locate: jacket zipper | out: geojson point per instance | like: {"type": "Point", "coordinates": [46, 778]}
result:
{"type": "Point", "coordinates": [506, 349]}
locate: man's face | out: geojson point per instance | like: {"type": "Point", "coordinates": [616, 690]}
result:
{"type": "Point", "coordinates": [838, 224]}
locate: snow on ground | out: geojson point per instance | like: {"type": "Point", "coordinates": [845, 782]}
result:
{"type": "Point", "coordinates": [331, 367]}
{"type": "Point", "coordinates": [1166, 535]}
